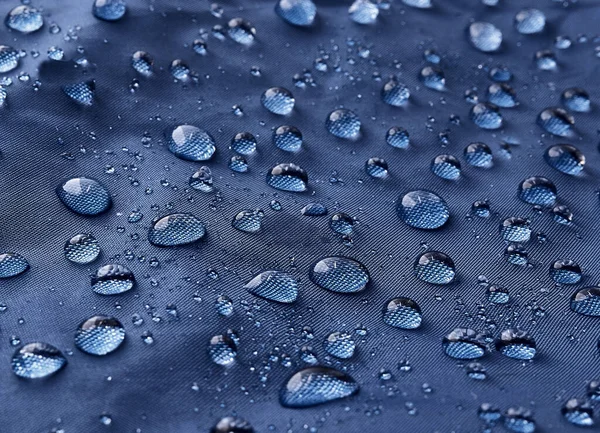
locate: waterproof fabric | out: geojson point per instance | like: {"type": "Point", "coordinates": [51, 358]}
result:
{"type": "Point", "coordinates": [171, 385]}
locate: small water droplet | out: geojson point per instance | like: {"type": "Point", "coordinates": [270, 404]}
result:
{"type": "Point", "coordinates": [537, 190]}
{"type": "Point", "coordinates": [83, 93]}
{"type": "Point", "coordinates": [565, 272]}
{"type": "Point", "coordinates": [435, 267]}
{"type": "Point", "coordinates": [288, 177]}
{"type": "Point", "coordinates": [423, 210]}
{"type": "Point", "coordinates": [586, 301]}
{"type": "Point", "coordinates": [578, 412]}
{"type": "Point", "coordinates": [190, 143]}
{"type": "Point", "coordinates": [340, 275]}
{"type": "Point", "coordinates": [479, 155]}
{"type": "Point", "coordinates": [241, 31]}
{"type": "Point", "coordinates": [224, 305]}
{"type": "Point", "coordinates": [82, 249]}
{"type": "Point", "coordinates": [576, 99]}
{"type": "Point", "coordinates": [519, 420]}
{"type": "Point", "coordinates": [248, 221]}
{"type": "Point", "coordinates": [202, 180]}
{"type": "Point", "coordinates": [316, 385]}
{"type": "Point", "coordinates": [376, 167]}
{"type": "Point", "coordinates": [485, 37]}
{"type": "Point", "coordinates": [397, 137]}
{"type": "Point", "coordinates": [109, 10]}
{"type": "Point", "coordinates": [446, 167]}
{"type": "Point", "coordinates": [403, 313]}
{"type": "Point", "coordinates": [340, 344]}
{"type": "Point", "coordinates": [433, 78]}
{"type": "Point", "coordinates": [516, 344]}
{"type": "Point", "coordinates": [343, 123]}
{"type": "Point", "coordinates": [395, 93]}
{"type": "Point", "coordinates": [243, 143]}
{"type": "Point", "coordinates": [112, 279]}
{"type": "Point", "coordinates": [481, 209]}
{"type": "Point", "coordinates": [565, 158]}
{"type": "Point", "coordinates": [342, 223]}
{"type": "Point", "coordinates": [288, 138]}
{"type": "Point", "coordinates": [464, 343]}
{"type": "Point", "coordinates": [176, 229]}
{"type": "Point", "coordinates": [9, 58]}
{"type": "Point", "coordinates": [99, 335]}
{"type": "Point", "coordinates": [84, 196]}
{"type": "Point", "coordinates": [497, 294]}
{"type": "Point", "coordinates": [142, 62]}
{"type": "Point", "coordinates": [363, 12]}
{"type": "Point", "coordinates": [546, 60]}
{"type": "Point", "coordinates": [529, 21]}
{"type": "Point", "coordinates": [502, 95]}
{"type": "Point", "coordinates": [476, 371]}
{"type": "Point", "coordinates": [314, 210]}
{"type": "Point", "coordinates": [515, 229]}
{"type": "Point", "coordinates": [222, 349]}
{"type": "Point", "coordinates": [486, 116]}
{"type": "Point", "coordinates": [230, 424]}
{"type": "Point", "coordinates": [12, 264]}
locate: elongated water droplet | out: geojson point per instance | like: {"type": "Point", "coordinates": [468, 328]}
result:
{"type": "Point", "coordinates": [275, 286]}
{"type": "Point", "coordinates": [433, 78]}
{"type": "Point", "coordinates": [84, 196]}
{"type": "Point", "coordinates": [230, 424]}
{"type": "Point", "coordinates": [519, 420]}
{"type": "Point", "coordinates": [578, 412]}
{"type": "Point", "coordinates": [565, 272]}
{"type": "Point", "coordinates": [297, 12]}
{"type": "Point", "coordinates": [288, 138]}
{"type": "Point", "coordinates": [423, 210]}
{"type": "Point", "coordinates": [343, 123]}
{"type": "Point", "coordinates": [37, 360]}
{"type": "Point", "coordinates": [485, 37]}
{"type": "Point", "coordinates": [397, 137]}
{"type": "Point", "coordinates": [446, 167]}
{"type": "Point", "coordinates": [402, 313]}
{"type": "Point", "coordinates": [464, 343]}
{"type": "Point", "coordinates": [565, 158]}
{"type": "Point", "coordinates": [99, 335]}
{"type": "Point", "coordinates": [586, 301]}
{"type": "Point", "coordinates": [83, 93]}
{"type": "Point", "coordinates": [537, 190]}
{"type": "Point", "coordinates": [516, 344]}
{"type": "Point", "coordinates": [340, 274]}
{"type": "Point", "coordinates": [556, 121]}
{"type": "Point", "coordinates": [340, 344]}
{"type": "Point", "coordinates": [142, 62]}
{"type": "Point", "coordinates": [176, 229]}
{"type": "Point", "coordinates": [314, 210]}
{"type": "Point", "coordinates": [82, 249]}
{"type": "Point", "coordinates": [24, 19]}
{"type": "Point", "coordinates": [435, 267]}
{"type": "Point", "coordinates": [12, 264]}
{"type": "Point", "coordinates": [190, 143]}
{"type": "Point", "coordinates": [515, 229]}
{"type": "Point", "coordinates": [486, 116]}
{"type": "Point", "coordinates": [288, 177]}
{"type": "Point", "coordinates": [112, 279]}
{"type": "Point", "coordinates": [316, 385]}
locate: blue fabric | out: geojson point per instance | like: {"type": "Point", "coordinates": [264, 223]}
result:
{"type": "Point", "coordinates": [47, 138]}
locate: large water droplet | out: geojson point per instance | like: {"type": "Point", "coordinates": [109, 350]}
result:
{"type": "Point", "coordinates": [142, 62]}
{"type": "Point", "coordinates": [576, 99]}
{"type": "Point", "coordinates": [363, 12]}
{"type": "Point", "coordinates": [222, 349]}
{"type": "Point", "coordinates": [176, 229]}
{"type": "Point", "coordinates": [278, 100]}
{"type": "Point", "coordinates": [202, 180]}
{"type": "Point", "coordinates": [82, 249]}
{"type": "Point", "coordinates": [529, 21]}
{"type": "Point", "coordinates": [485, 37]}
{"type": "Point", "coordinates": [248, 221]}
{"type": "Point", "coordinates": [24, 19]}
{"type": "Point", "coordinates": [433, 78]}
{"type": "Point", "coordinates": [519, 420]}
{"type": "Point", "coordinates": [99, 335]}
{"type": "Point", "coordinates": [343, 123]}
{"type": "Point", "coordinates": [231, 424]}
{"type": "Point", "coordinates": [243, 143]}
{"type": "Point", "coordinates": [288, 138]}
{"type": "Point", "coordinates": [423, 210]}
{"type": "Point", "coordinates": [586, 301]}
{"type": "Point", "coordinates": [395, 93]}
{"type": "Point", "coordinates": [84, 196]}
{"type": "Point", "coordinates": [486, 116]}
{"type": "Point", "coordinates": [9, 58]}
{"type": "Point", "coordinates": [190, 143]}
{"type": "Point", "coordinates": [112, 279]}
{"type": "Point", "coordinates": [109, 10]}
{"type": "Point", "coordinates": [556, 121]}
{"type": "Point", "coordinates": [297, 12]}
{"type": "Point", "coordinates": [340, 274]}
{"type": "Point", "coordinates": [516, 344]}
{"type": "Point", "coordinates": [565, 158]}
{"type": "Point", "coordinates": [537, 190]}
{"type": "Point", "coordinates": [83, 93]}
{"type": "Point", "coordinates": [340, 344]}
{"type": "Point", "coordinates": [435, 267]}
{"type": "Point", "coordinates": [402, 313]}
{"type": "Point", "coordinates": [565, 272]}
{"type": "Point", "coordinates": [397, 137]}
{"type": "Point", "coordinates": [288, 177]}
{"type": "Point", "coordinates": [275, 286]}
{"type": "Point", "coordinates": [37, 360]}
{"type": "Point", "coordinates": [12, 264]}
{"type": "Point", "coordinates": [479, 155]}
{"type": "Point", "coordinates": [241, 31]}
{"type": "Point", "coordinates": [446, 167]}
{"type": "Point", "coordinates": [316, 385]}
{"type": "Point", "coordinates": [502, 95]}
{"type": "Point", "coordinates": [464, 343]}
{"type": "Point", "coordinates": [578, 412]}
{"type": "Point", "coordinates": [515, 229]}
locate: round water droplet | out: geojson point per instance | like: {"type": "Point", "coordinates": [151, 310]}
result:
{"type": "Point", "coordinates": [202, 180]}
{"type": "Point", "coordinates": [297, 12]}
{"type": "Point", "coordinates": [241, 31]}
{"type": "Point", "coordinates": [316, 385]}
{"type": "Point", "coordinates": [9, 58]}
{"type": "Point", "coordinates": [497, 294]}
{"type": "Point", "coordinates": [82, 249]}
{"type": "Point", "coordinates": [481, 209]}
{"type": "Point", "coordinates": [486, 116]}
{"type": "Point", "coordinates": [248, 221]}
{"type": "Point", "coordinates": [519, 420]}
{"type": "Point", "coordinates": [224, 305]}
{"type": "Point", "coordinates": [275, 286]}
{"type": "Point", "coordinates": [476, 371]}
{"type": "Point", "coordinates": [565, 158]}
{"type": "Point", "coordinates": [397, 137]}
{"type": "Point", "coordinates": [222, 349]}
{"type": "Point", "coordinates": [190, 143]}
{"type": "Point", "coordinates": [363, 12]}
{"type": "Point", "coordinates": [82, 93]}
{"type": "Point", "coordinates": [529, 21]}
{"type": "Point", "coordinates": [37, 360]}
{"type": "Point", "coordinates": [500, 74]}
{"type": "Point", "coordinates": [180, 70]}
{"type": "Point", "coordinates": [340, 275]}
{"type": "Point", "coordinates": [84, 196]}
{"type": "Point", "coordinates": [420, 4]}
{"type": "Point", "coordinates": [278, 100]}
{"type": "Point", "coordinates": [395, 93]}
{"type": "Point", "coordinates": [435, 268]}
{"type": "Point", "coordinates": [99, 335]}
{"type": "Point", "coordinates": [578, 412]}
{"type": "Point", "coordinates": [402, 313]}
{"type": "Point", "coordinates": [176, 229]}
{"type": "Point", "coordinates": [446, 167]}
{"type": "Point", "coordinates": [565, 272]}
{"type": "Point", "coordinates": [562, 215]}
{"type": "Point", "coordinates": [423, 210]}
{"type": "Point", "coordinates": [485, 37]}
{"type": "Point", "coordinates": [586, 301]}
{"type": "Point", "coordinates": [376, 167]}
{"type": "Point", "coordinates": [562, 42]}
{"type": "Point", "coordinates": [516, 344]}
{"type": "Point", "coordinates": [314, 210]}
{"type": "Point", "coordinates": [199, 47]}
{"type": "Point", "coordinates": [340, 344]}
{"type": "Point", "coordinates": [24, 19]}
{"type": "Point", "coordinates": [341, 223]}
{"type": "Point", "coordinates": [230, 424]}
{"type": "Point", "coordinates": [142, 62]}
{"type": "Point", "coordinates": [433, 78]}
{"type": "Point", "coordinates": [502, 95]}
{"type": "Point", "coordinates": [288, 177]}
{"type": "Point", "coordinates": [12, 264]}
{"type": "Point", "coordinates": [112, 279]}
{"type": "Point", "coordinates": [243, 143]}
{"type": "Point", "coordinates": [238, 164]}
{"type": "Point", "coordinates": [515, 229]}
{"type": "Point", "coordinates": [556, 121]}
{"type": "Point", "coordinates": [546, 60]}
{"type": "Point", "coordinates": [288, 138]}
{"type": "Point", "coordinates": [464, 343]}
{"type": "Point", "coordinates": [343, 123]}
{"type": "Point", "coordinates": [576, 99]}
{"type": "Point", "coordinates": [479, 155]}
{"type": "Point", "coordinates": [516, 255]}
{"type": "Point", "coordinates": [488, 413]}
{"type": "Point", "coordinates": [109, 10]}
{"type": "Point", "coordinates": [432, 56]}
{"type": "Point", "coordinates": [537, 190]}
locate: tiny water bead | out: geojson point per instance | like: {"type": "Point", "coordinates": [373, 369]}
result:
{"type": "Point", "coordinates": [300, 13]}
{"type": "Point", "coordinates": [464, 343]}
{"type": "Point", "coordinates": [479, 155]}
{"type": "Point", "coordinates": [24, 19]}
{"type": "Point", "coordinates": [519, 420]}
{"type": "Point", "coordinates": [497, 294]}
{"type": "Point", "coordinates": [562, 215]}
{"type": "Point", "coordinates": [99, 335]}
{"type": "Point", "coordinates": [278, 100]}
{"type": "Point", "coordinates": [403, 313]}
{"type": "Point", "coordinates": [435, 267]}
{"type": "Point", "coordinates": [12, 264]}
{"type": "Point", "coordinates": [486, 116]}
{"type": "Point", "coordinates": [176, 229]}
{"type": "Point", "coordinates": [112, 279]}
{"type": "Point", "coordinates": [190, 143]}
{"type": "Point", "coordinates": [433, 78]}
{"type": "Point", "coordinates": [202, 180]}
{"type": "Point", "coordinates": [537, 190]}
{"type": "Point", "coordinates": [565, 272]}
{"type": "Point", "coordinates": [288, 138]}
{"type": "Point", "coordinates": [37, 360]}
{"type": "Point", "coordinates": [248, 221]}
{"type": "Point", "coordinates": [578, 412]}
{"type": "Point", "coordinates": [556, 121]}
{"type": "Point", "coordinates": [340, 345]}
{"type": "Point", "coordinates": [502, 95]}
{"type": "Point", "coordinates": [288, 177]}
{"type": "Point", "coordinates": [586, 301]}
{"type": "Point", "coordinates": [516, 344]}
{"type": "Point", "coordinates": [363, 12]}
{"type": "Point", "coordinates": [84, 196]}
{"type": "Point", "coordinates": [565, 158]}
{"type": "Point", "coordinates": [275, 286]}
{"type": "Point", "coordinates": [314, 210]}
{"type": "Point", "coordinates": [476, 371]}
{"type": "Point", "coordinates": [83, 93]}
{"type": "Point", "coordinates": [376, 167]}
{"type": "Point", "coordinates": [343, 123]}
{"type": "Point", "coordinates": [485, 37]}
{"type": "Point", "coordinates": [222, 349]}
{"type": "Point", "coordinates": [109, 10]}
{"type": "Point", "coordinates": [529, 21]}
{"type": "Point", "coordinates": [546, 60]}
{"type": "Point", "coordinates": [446, 166]}
{"type": "Point", "coordinates": [516, 255]}
{"type": "Point", "coordinates": [238, 164]}
{"type": "Point", "coordinates": [243, 143]}
{"type": "Point", "coordinates": [9, 58]}
{"type": "Point", "coordinates": [515, 229]}
{"type": "Point", "coordinates": [340, 275]}
{"type": "Point", "coordinates": [142, 62]}
{"type": "Point", "coordinates": [241, 31]}
{"type": "Point", "coordinates": [395, 93]}
{"type": "Point", "coordinates": [423, 209]}
{"type": "Point", "coordinates": [576, 99]}
{"type": "Point", "coordinates": [82, 249]}
{"type": "Point", "coordinates": [481, 209]}
{"type": "Point", "coordinates": [316, 385]}
{"type": "Point", "coordinates": [230, 424]}
{"type": "Point", "coordinates": [342, 223]}
{"type": "Point", "coordinates": [224, 305]}
{"type": "Point", "coordinates": [180, 70]}
{"type": "Point", "coordinates": [397, 137]}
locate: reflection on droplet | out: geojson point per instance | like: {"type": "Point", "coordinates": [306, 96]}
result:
{"type": "Point", "coordinates": [565, 158]}
{"type": "Point", "coordinates": [288, 177]}
{"type": "Point", "coordinates": [243, 143]}
{"type": "Point", "coordinates": [340, 274]}
{"type": "Point", "coordinates": [340, 344]}
{"type": "Point", "coordinates": [190, 143]}
{"type": "Point", "coordinates": [316, 385]}
{"type": "Point", "coordinates": [99, 335]}
{"type": "Point", "coordinates": [586, 301]}
{"type": "Point", "coordinates": [556, 121]}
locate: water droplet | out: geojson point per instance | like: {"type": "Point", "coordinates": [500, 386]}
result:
{"type": "Point", "coordinates": [395, 93]}
{"type": "Point", "coordinates": [248, 221]}
{"type": "Point", "coordinates": [481, 209]}
{"type": "Point", "coordinates": [275, 286]}
{"type": "Point", "coordinates": [516, 344]}
{"type": "Point", "coordinates": [432, 56]}
{"type": "Point", "coordinates": [537, 190]}
{"type": "Point", "coordinates": [433, 78]}
{"type": "Point", "coordinates": [112, 279]}
{"type": "Point", "coordinates": [243, 143]}
{"type": "Point", "coordinates": [446, 167]}
{"type": "Point", "coordinates": [363, 12]}
{"type": "Point", "coordinates": [578, 412]}
{"type": "Point", "coordinates": [485, 37]}
{"type": "Point", "coordinates": [202, 180]}
{"type": "Point", "coordinates": [479, 155]}
{"type": "Point", "coordinates": [99, 335]}
{"type": "Point", "coordinates": [314, 210]}
{"type": "Point", "coordinates": [190, 143]}
{"type": "Point", "coordinates": [54, 53]}
{"type": "Point", "coordinates": [222, 349]}
{"type": "Point", "coordinates": [288, 138]}
{"type": "Point", "coordinates": [340, 275]}
{"type": "Point", "coordinates": [397, 137]}
{"type": "Point", "coordinates": [529, 21]}
{"type": "Point", "coordinates": [593, 390]}
{"type": "Point", "coordinates": [342, 223]}
{"type": "Point", "coordinates": [402, 313]}
{"type": "Point", "coordinates": [278, 100]}
{"type": "Point", "coordinates": [12, 264]}
{"type": "Point", "coordinates": [180, 70]}
{"type": "Point", "coordinates": [297, 12]}
{"type": "Point", "coordinates": [37, 360]}
{"type": "Point", "coordinates": [497, 294]}
{"type": "Point", "coordinates": [435, 267]}
{"type": "Point", "coordinates": [176, 229]}
{"type": "Point", "coordinates": [82, 249]}
{"type": "Point", "coordinates": [376, 167]}
{"type": "Point", "coordinates": [84, 196]}
{"type": "Point", "coordinates": [238, 164]}
{"type": "Point", "coordinates": [199, 47]}
{"type": "Point", "coordinates": [576, 99]}
{"type": "Point", "coordinates": [502, 95]}
{"type": "Point", "coordinates": [288, 177]}
{"type": "Point", "coordinates": [556, 121]}
{"type": "Point", "coordinates": [316, 385]}
{"type": "Point", "coordinates": [83, 93]}
{"type": "Point", "coordinates": [546, 60]}
{"type": "Point", "coordinates": [241, 31]}
{"type": "Point", "coordinates": [224, 305]}
{"type": "Point", "coordinates": [343, 123]}
{"type": "Point", "coordinates": [420, 4]}
{"type": "Point", "coordinates": [486, 116]}
{"type": "Point", "coordinates": [9, 58]}
{"type": "Point", "coordinates": [423, 210]}
{"type": "Point", "coordinates": [464, 343]}
{"type": "Point", "coordinates": [488, 413]}
{"type": "Point", "coordinates": [142, 62]}
{"type": "Point", "coordinates": [562, 42]}
{"type": "Point", "coordinates": [476, 371]}
{"type": "Point", "coordinates": [109, 10]}
{"type": "Point", "coordinates": [515, 229]}
{"type": "Point", "coordinates": [586, 301]}
{"type": "Point", "coordinates": [24, 19]}
{"type": "Point", "coordinates": [516, 255]}
{"type": "Point", "coordinates": [340, 344]}
{"type": "Point", "coordinates": [565, 158]}
{"type": "Point", "coordinates": [519, 420]}
{"type": "Point", "coordinates": [565, 272]}
{"type": "Point", "coordinates": [562, 215]}
{"type": "Point", "coordinates": [230, 424]}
